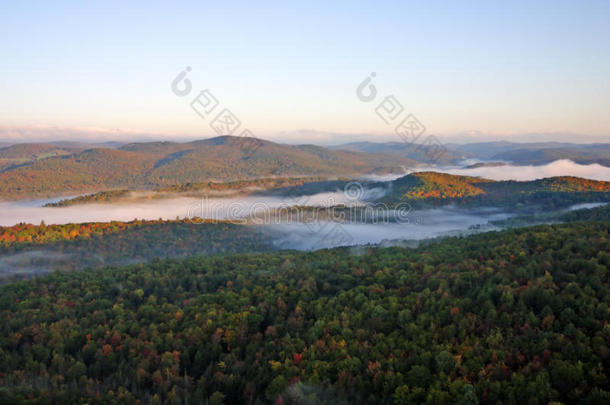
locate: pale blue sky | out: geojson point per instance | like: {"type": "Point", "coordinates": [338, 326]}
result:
{"type": "Point", "coordinates": [502, 68]}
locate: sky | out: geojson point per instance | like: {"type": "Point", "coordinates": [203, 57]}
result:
{"type": "Point", "coordinates": [288, 70]}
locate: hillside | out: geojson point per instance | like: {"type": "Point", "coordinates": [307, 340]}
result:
{"type": "Point", "coordinates": [28, 250]}
{"type": "Point", "coordinates": [162, 164]}
{"type": "Point", "coordinates": [431, 188]}
{"type": "Point", "coordinates": [32, 151]}
{"type": "Point", "coordinates": [592, 214]}
{"type": "Point", "coordinates": [518, 316]}
{"type": "Point", "coordinates": [20, 154]}
{"type": "Point", "coordinates": [91, 169]}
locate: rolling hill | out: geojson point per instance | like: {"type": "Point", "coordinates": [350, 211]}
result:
{"type": "Point", "coordinates": [161, 164]}
{"type": "Point", "coordinates": [409, 151]}
{"type": "Point", "coordinates": [20, 154]}
{"type": "Point", "coordinates": [537, 153]}
{"type": "Point", "coordinates": [432, 189]}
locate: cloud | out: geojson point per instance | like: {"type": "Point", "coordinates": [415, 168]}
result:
{"type": "Point", "coordinates": [475, 136]}
{"type": "Point", "coordinates": [49, 133]}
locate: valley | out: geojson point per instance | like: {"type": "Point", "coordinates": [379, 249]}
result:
{"type": "Point", "coordinates": [297, 203]}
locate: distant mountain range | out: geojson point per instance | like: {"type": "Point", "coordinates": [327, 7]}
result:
{"type": "Point", "coordinates": [537, 153]}
{"type": "Point", "coordinates": [44, 170]}
{"type": "Point", "coordinates": [411, 151]}
{"type": "Point", "coordinates": [511, 152]}
{"type": "Point", "coordinates": [68, 168]}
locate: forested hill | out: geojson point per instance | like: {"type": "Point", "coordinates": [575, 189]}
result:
{"type": "Point", "coordinates": [517, 316]}
{"type": "Point", "coordinates": [432, 188]}
{"type": "Point", "coordinates": [274, 185]}
{"type": "Point", "coordinates": [30, 250]}
{"type": "Point", "coordinates": [162, 164]}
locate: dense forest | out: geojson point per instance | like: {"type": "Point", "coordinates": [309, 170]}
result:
{"type": "Point", "coordinates": [27, 235]}
{"type": "Point", "coordinates": [600, 213]}
{"type": "Point", "coordinates": [593, 214]}
{"type": "Point", "coordinates": [518, 316]}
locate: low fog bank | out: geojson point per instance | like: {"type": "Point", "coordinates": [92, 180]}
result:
{"type": "Point", "coordinates": [586, 206]}
{"type": "Point", "coordinates": [33, 212]}
{"type": "Point", "coordinates": [132, 246]}
{"type": "Point", "coordinates": [562, 167]}
{"type": "Point", "coordinates": [32, 262]}
{"type": "Point", "coordinates": [422, 224]}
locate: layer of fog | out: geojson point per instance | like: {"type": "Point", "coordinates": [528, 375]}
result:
{"type": "Point", "coordinates": [33, 212]}
{"type": "Point", "coordinates": [562, 167]}
{"type": "Point", "coordinates": [32, 262]}
{"type": "Point", "coordinates": [586, 206]}
{"type": "Point", "coordinates": [422, 224]}
{"type": "Point", "coordinates": [417, 227]}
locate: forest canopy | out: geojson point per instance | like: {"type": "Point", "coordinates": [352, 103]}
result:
{"type": "Point", "coordinates": [518, 316]}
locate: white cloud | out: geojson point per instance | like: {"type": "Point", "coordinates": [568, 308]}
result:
{"type": "Point", "coordinates": [49, 133]}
